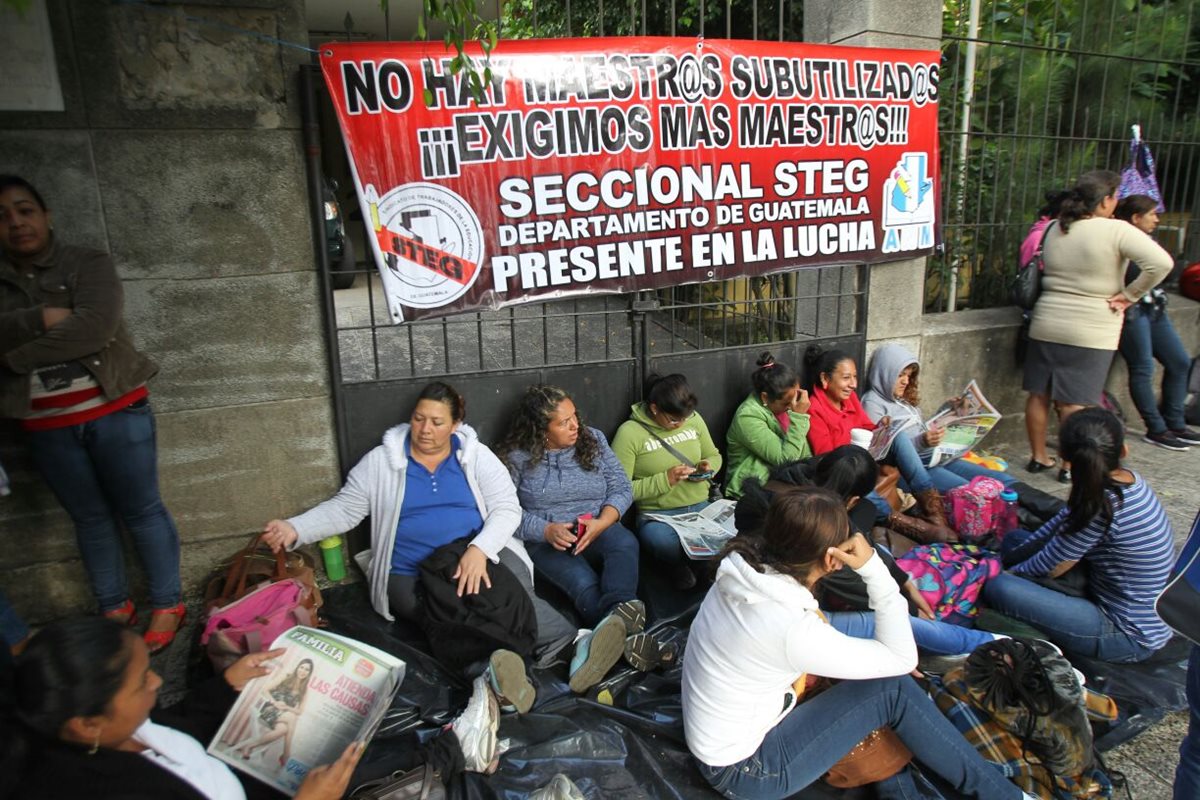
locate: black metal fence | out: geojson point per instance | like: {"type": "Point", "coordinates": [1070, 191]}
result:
{"type": "Point", "coordinates": [598, 347]}
{"type": "Point", "coordinates": [1034, 92]}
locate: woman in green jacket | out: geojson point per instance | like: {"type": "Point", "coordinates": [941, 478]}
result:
{"type": "Point", "coordinates": [769, 428]}
{"type": "Point", "coordinates": [669, 456]}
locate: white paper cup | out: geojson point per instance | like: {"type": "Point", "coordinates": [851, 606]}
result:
{"type": "Point", "coordinates": [861, 437]}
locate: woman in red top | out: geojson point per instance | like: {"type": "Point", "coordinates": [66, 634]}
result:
{"type": "Point", "coordinates": [835, 411]}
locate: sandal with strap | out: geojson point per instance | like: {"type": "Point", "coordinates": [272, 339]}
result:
{"type": "Point", "coordinates": [158, 640]}
{"type": "Point", "coordinates": [124, 614]}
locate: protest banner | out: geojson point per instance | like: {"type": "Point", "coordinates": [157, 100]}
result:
{"type": "Point", "coordinates": [618, 164]}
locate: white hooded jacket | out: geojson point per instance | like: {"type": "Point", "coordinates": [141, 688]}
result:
{"type": "Point", "coordinates": [756, 633]}
{"type": "Point", "coordinates": [376, 487]}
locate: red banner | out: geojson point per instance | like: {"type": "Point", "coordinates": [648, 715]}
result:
{"type": "Point", "coordinates": [632, 163]}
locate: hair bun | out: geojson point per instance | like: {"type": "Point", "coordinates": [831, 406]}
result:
{"type": "Point", "coordinates": [765, 360]}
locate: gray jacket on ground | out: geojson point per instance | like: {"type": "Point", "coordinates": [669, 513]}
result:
{"type": "Point", "coordinates": [376, 487]}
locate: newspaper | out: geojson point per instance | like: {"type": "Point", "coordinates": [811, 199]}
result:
{"type": "Point", "coordinates": [881, 440]}
{"type": "Point", "coordinates": [702, 533]}
{"type": "Point", "coordinates": [965, 420]}
{"type": "Point", "coordinates": [324, 693]}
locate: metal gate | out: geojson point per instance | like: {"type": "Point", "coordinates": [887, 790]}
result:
{"type": "Point", "coordinates": [1035, 92]}
{"type": "Point", "coordinates": [598, 347]}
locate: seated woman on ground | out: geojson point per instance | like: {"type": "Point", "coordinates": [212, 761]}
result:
{"type": "Point", "coordinates": [770, 426]}
{"type": "Point", "coordinates": [79, 720]}
{"type": "Point", "coordinates": [894, 378]}
{"type": "Point", "coordinates": [836, 411]}
{"type": "Point", "coordinates": [757, 639]}
{"type": "Point", "coordinates": [669, 456]}
{"type": "Point", "coordinates": [850, 472]}
{"type": "Point", "coordinates": [1115, 525]}
{"type": "Point", "coordinates": [572, 493]}
{"type": "Point", "coordinates": [430, 483]}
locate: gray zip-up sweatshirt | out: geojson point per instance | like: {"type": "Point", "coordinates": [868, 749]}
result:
{"type": "Point", "coordinates": [886, 365]}
{"type": "Point", "coordinates": [558, 489]}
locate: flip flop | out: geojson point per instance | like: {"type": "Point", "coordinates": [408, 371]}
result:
{"type": "Point", "coordinates": [1037, 466]}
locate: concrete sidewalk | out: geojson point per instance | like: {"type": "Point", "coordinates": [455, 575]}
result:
{"type": "Point", "coordinates": [1149, 760]}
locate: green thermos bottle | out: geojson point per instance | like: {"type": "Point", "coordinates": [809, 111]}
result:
{"type": "Point", "coordinates": [331, 554]}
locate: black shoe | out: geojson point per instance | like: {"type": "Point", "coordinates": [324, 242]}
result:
{"type": "Point", "coordinates": [1037, 466]}
{"type": "Point", "coordinates": [1167, 440]}
{"type": "Point", "coordinates": [682, 576]}
{"type": "Point", "coordinates": [1064, 476]}
{"type": "Point", "coordinates": [1186, 435]}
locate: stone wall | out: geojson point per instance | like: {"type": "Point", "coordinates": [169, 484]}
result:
{"type": "Point", "coordinates": [180, 153]}
{"type": "Point", "coordinates": [956, 347]}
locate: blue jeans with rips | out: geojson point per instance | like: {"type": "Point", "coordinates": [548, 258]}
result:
{"type": "Point", "coordinates": [105, 471]}
{"type": "Point", "coordinates": [1146, 335]}
{"type": "Point", "coordinates": [934, 636]}
{"type": "Point", "coordinates": [605, 574]}
{"type": "Point", "coordinates": [818, 732]}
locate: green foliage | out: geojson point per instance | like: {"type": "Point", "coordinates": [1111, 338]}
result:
{"type": "Point", "coordinates": [1057, 85]}
{"type": "Point", "coordinates": [527, 19]}
{"type": "Point", "coordinates": [464, 23]}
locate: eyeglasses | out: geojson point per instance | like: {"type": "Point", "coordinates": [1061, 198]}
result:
{"type": "Point", "coordinates": [676, 421]}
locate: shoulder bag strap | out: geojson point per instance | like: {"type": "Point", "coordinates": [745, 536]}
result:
{"type": "Point", "coordinates": [666, 446]}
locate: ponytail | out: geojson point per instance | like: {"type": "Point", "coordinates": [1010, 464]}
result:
{"type": "Point", "coordinates": [772, 378]}
{"type": "Point", "coordinates": [1091, 441]}
{"type": "Point", "coordinates": [1085, 197]}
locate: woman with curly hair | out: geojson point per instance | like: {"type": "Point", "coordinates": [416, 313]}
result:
{"type": "Point", "coordinates": [573, 492]}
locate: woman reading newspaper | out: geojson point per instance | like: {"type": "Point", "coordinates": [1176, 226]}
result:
{"type": "Point", "coordinates": [78, 718]}
{"type": "Point", "coordinates": [894, 381]}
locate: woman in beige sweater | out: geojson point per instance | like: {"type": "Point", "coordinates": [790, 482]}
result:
{"type": "Point", "coordinates": [1077, 320]}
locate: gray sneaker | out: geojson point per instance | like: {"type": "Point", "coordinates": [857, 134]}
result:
{"type": "Point", "coordinates": [560, 787]}
{"type": "Point", "coordinates": [632, 613]}
{"type": "Point", "coordinates": [476, 728]}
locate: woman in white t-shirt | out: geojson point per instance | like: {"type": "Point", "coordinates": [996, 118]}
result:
{"type": "Point", "coordinates": [759, 638]}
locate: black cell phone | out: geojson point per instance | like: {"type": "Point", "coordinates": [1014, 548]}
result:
{"type": "Point", "coordinates": [701, 476]}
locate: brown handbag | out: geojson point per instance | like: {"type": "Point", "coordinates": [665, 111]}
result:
{"type": "Point", "coordinates": [878, 756]}
{"type": "Point", "coordinates": [254, 566]}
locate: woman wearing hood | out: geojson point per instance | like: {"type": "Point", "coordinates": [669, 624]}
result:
{"type": "Point", "coordinates": [669, 456]}
{"type": "Point", "coordinates": [429, 483]}
{"type": "Point", "coordinates": [894, 377]}
{"type": "Point", "coordinates": [758, 642]}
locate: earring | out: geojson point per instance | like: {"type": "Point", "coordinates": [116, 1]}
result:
{"type": "Point", "coordinates": [95, 745]}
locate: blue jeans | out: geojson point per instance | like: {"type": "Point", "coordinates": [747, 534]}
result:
{"type": "Point", "coordinates": [1075, 624]}
{"type": "Point", "coordinates": [1148, 335]}
{"type": "Point", "coordinates": [934, 636]}
{"type": "Point", "coordinates": [817, 733]}
{"type": "Point", "coordinates": [660, 540]}
{"type": "Point", "coordinates": [1187, 774]}
{"type": "Point", "coordinates": [904, 457]}
{"type": "Point", "coordinates": [13, 629]}
{"type": "Point", "coordinates": [104, 471]}
{"type": "Point", "coordinates": [604, 575]}
{"type": "Point", "coordinates": [959, 472]}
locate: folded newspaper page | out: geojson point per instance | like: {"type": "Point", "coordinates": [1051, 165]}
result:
{"type": "Point", "coordinates": [881, 441]}
{"type": "Point", "coordinates": [324, 693]}
{"type": "Point", "coordinates": [702, 533]}
{"type": "Point", "coordinates": [965, 420]}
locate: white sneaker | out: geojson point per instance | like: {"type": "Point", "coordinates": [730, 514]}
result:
{"type": "Point", "coordinates": [560, 787]}
{"type": "Point", "coordinates": [476, 728]}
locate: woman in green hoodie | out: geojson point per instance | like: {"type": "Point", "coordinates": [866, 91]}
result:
{"type": "Point", "coordinates": [669, 456]}
{"type": "Point", "coordinates": [769, 428]}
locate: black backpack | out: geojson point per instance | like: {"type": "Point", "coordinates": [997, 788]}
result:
{"type": "Point", "coordinates": [466, 630]}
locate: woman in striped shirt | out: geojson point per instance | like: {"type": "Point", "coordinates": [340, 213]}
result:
{"type": "Point", "coordinates": [1114, 523]}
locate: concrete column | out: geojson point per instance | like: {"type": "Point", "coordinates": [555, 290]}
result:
{"type": "Point", "coordinates": [897, 289]}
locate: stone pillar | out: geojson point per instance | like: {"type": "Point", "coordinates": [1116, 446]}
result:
{"type": "Point", "coordinates": [897, 289]}
{"type": "Point", "coordinates": [179, 152]}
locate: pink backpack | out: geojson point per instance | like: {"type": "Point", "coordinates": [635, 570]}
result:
{"type": "Point", "coordinates": [250, 624]}
{"type": "Point", "coordinates": [974, 510]}
{"type": "Point", "coordinates": [951, 577]}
